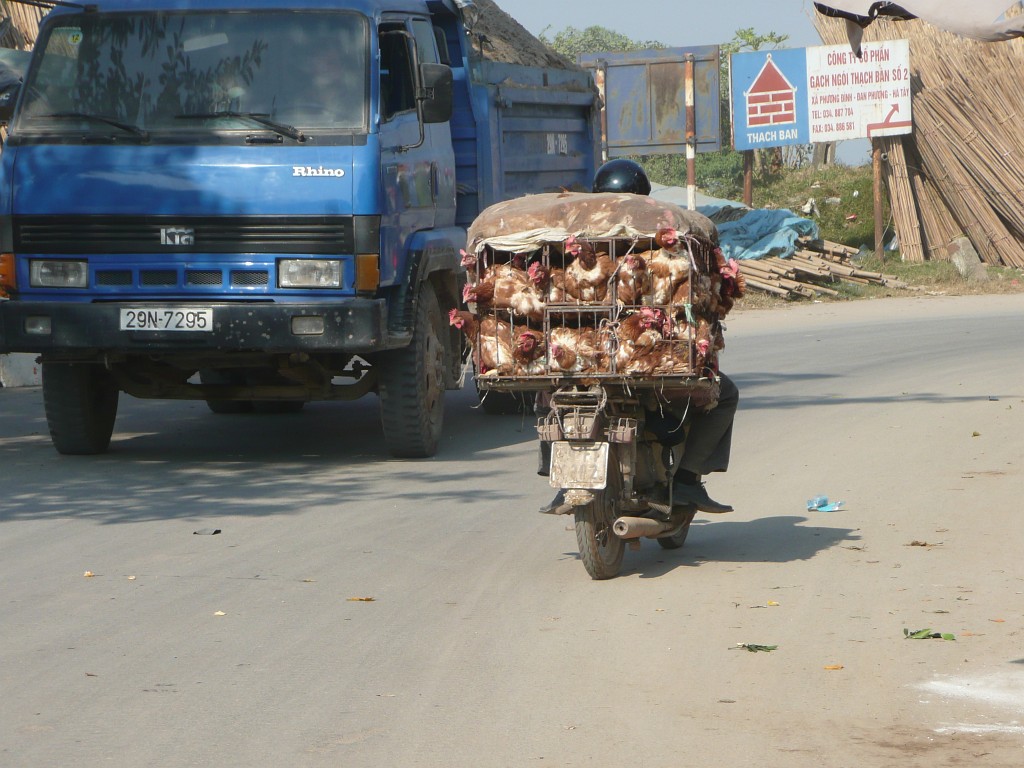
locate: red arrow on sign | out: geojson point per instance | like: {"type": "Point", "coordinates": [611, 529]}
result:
{"type": "Point", "coordinates": [887, 123]}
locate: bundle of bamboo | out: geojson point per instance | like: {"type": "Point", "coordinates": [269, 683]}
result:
{"type": "Point", "coordinates": [962, 170]}
{"type": "Point", "coordinates": [808, 272]}
{"type": "Point", "coordinates": [21, 24]}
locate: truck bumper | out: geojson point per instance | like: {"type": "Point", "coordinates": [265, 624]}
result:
{"type": "Point", "coordinates": [352, 325]}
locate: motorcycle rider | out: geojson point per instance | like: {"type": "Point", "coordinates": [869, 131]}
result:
{"type": "Point", "coordinates": [705, 434]}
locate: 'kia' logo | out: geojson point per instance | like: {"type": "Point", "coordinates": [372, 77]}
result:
{"type": "Point", "coordinates": [177, 236]}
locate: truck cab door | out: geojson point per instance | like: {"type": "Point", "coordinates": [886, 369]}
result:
{"type": "Point", "coordinates": [417, 158]}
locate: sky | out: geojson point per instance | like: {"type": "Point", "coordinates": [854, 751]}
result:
{"type": "Point", "coordinates": [672, 22]}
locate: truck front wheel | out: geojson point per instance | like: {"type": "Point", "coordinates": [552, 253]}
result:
{"type": "Point", "coordinates": [80, 400]}
{"type": "Point", "coordinates": [412, 386]}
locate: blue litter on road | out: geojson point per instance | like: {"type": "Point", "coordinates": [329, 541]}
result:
{"type": "Point", "coordinates": [821, 504]}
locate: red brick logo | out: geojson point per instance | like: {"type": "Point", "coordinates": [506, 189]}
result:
{"type": "Point", "coordinates": [771, 99]}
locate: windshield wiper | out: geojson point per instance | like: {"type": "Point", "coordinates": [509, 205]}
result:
{"type": "Point", "coordinates": [126, 127]}
{"type": "Point", "coordinates": [262, 118]}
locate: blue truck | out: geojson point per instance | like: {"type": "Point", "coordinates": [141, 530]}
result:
{"type": "Point", "coordinates": [261, 203]}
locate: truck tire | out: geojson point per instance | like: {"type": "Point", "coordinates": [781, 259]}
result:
{"type": "Point", "coordinates": [80, 400]}
{"type": "Point", "coordinates": [600, 549]}
{"type": "Point", "coordinates": [208, 376]}
{"type": "Point", "coordinates": [412, 385]}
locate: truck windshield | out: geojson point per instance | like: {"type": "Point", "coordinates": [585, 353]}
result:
{"type": "Point", "coordinates": [144, 76]}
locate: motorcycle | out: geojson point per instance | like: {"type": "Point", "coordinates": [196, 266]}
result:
{"type": "Point", "coordinates": [615, 474]}
{"type": "Point", "coordinates": [606, 357]}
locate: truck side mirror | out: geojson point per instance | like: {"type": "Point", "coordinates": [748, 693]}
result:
{"type": "Point", "coordinates": [436, 93]}
{"type": "Point", "coordinates": [8, 98]}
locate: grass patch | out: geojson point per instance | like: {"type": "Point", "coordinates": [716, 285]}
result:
{"type": "Point", "coordinates": [943, 277]}
{"type": "Point", "coordinates": [839, 191]}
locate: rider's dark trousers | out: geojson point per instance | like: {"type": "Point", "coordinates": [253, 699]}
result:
{"type": "Point", "coordinates": [709, 439]}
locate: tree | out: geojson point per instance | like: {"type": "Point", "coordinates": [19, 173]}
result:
{"type": "Point", "coordinates": [571, 42]}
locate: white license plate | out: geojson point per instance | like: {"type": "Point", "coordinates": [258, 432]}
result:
{"type": "Point", "coordinates": [167, 319]}
{"type": "Point", "coordinates": [579, 465]}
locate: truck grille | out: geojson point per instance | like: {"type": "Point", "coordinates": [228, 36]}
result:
{"type": "Point", "coordinates": [184, 234]}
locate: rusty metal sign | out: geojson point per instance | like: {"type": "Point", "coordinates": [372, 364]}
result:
{"type": "Point", "coordinates": [645, 97]}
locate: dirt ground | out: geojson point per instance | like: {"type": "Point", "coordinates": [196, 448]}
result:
{"type": "Point", "coordinates": [502, 38]}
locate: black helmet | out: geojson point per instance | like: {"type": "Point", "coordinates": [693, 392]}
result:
{"type": "Point", "coordinates": [622, 175]}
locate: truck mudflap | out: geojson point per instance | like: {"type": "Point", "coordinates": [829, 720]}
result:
{"type": "Point", "coordinates": [354, 325]}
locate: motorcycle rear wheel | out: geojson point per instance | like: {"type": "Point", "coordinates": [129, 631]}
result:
{"type": "Point", "coordinates": [678, 537]}
{"type": "Point", "coordinates": [600, 549]}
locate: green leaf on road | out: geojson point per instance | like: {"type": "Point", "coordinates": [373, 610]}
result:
{"type": "Point", "coordinates": [926, 634]}
{"type": "Point", "coordinates": [754, 647]}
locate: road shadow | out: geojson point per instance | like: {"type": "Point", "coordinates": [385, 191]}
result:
{"type": "Point", "coordinates": [177, 460]}
{"type": "Point", "coordinates": [749, 384]}
{"type": "Point", "coordinates": [781, 539]}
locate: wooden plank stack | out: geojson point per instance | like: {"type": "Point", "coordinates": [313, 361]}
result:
{"type": "Point", "coordinates": [810, 272]}
{"type": "Point", "coordinates": [961, 173]}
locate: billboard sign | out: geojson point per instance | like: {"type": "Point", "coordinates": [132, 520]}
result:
{"type": "Point", "coordinates": [824, 93]}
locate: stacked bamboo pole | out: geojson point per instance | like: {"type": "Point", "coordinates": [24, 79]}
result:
{"type": "Point", "coordinates": [24, 24]}
{"type": "Point", "coordinates": [898, 181]}
{"type": "Point", "coordinates": [938, 227]}
{"type": "Point", "coordinates": [808, 272]}
{"type": "Point", "coordinates": [961, 173]}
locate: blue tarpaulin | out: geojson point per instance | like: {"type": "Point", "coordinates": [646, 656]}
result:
{"type": "Point", "coordinates": [745, 233]}
{"type": "Point", "coordinates": [761, 234]}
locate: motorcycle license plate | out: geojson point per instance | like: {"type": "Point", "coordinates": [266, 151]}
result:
{"type": "Point", "coordinates": [167, 319]}
{"type": "Point", "coordinates": [579, 465]}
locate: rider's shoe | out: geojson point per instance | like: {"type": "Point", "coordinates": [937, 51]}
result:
{"type": "Point", "coordinates": [556, 506]}
{"type": "Point", "coordinates": [697, 495]}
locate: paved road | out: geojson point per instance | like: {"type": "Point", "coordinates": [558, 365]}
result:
{"type": "Point", "coordinates": [486, 644]}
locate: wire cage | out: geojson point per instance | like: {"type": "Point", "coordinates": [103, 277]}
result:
{"type": "Point", "coordinates": [614, 324]}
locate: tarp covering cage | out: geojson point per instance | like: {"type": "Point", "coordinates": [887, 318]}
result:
{"type": "Point", "coordinates": [584, 288]}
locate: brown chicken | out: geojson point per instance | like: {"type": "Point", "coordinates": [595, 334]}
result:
{"type": "Point", "coordinates": [643, 327]}
{"type": "Point", "coordinates": [549, 281]}
{"type": "Point", "coordinates": [642, 361]}
{"type": "Point", "coordinates": [578, 350]}
{"type": "Point", "coordinates": [640, 335]}
{"type": "Point", "coordinates": [505, 286]}
{"type": "Point", "coordinates": [667, 238]}
{"type": "Point", "coordinates": [588, 274]}
{"type": "Point", "coordinates": [563, 358]}
{"type": "Point", "coordinates": [670, 274]}
{"type": "Point", "coordinates": [734, 284]}
{"type": "Point", "coordinates": [669, 267]}
{"type": "Point", "coordinates": [705, 345]}
{"type": "Point", "coordinates": [705, 295]}
{"type": "Point", "coordinates": [491, 340]}
{"type": "Point", "coordinates": [528, 352]}
{"type": "Point", "coordinates": [634, 280]}
{"type": "Point", "coordinates": [469, 263]}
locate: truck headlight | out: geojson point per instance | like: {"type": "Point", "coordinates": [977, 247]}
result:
{"type": "Point", "coordinates": [309, 273]}
{"type": "Point", "coordinates": [45, 273]}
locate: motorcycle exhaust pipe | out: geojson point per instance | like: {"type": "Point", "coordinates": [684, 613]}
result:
{"type": "Point", "coordinates": [640, 527]}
